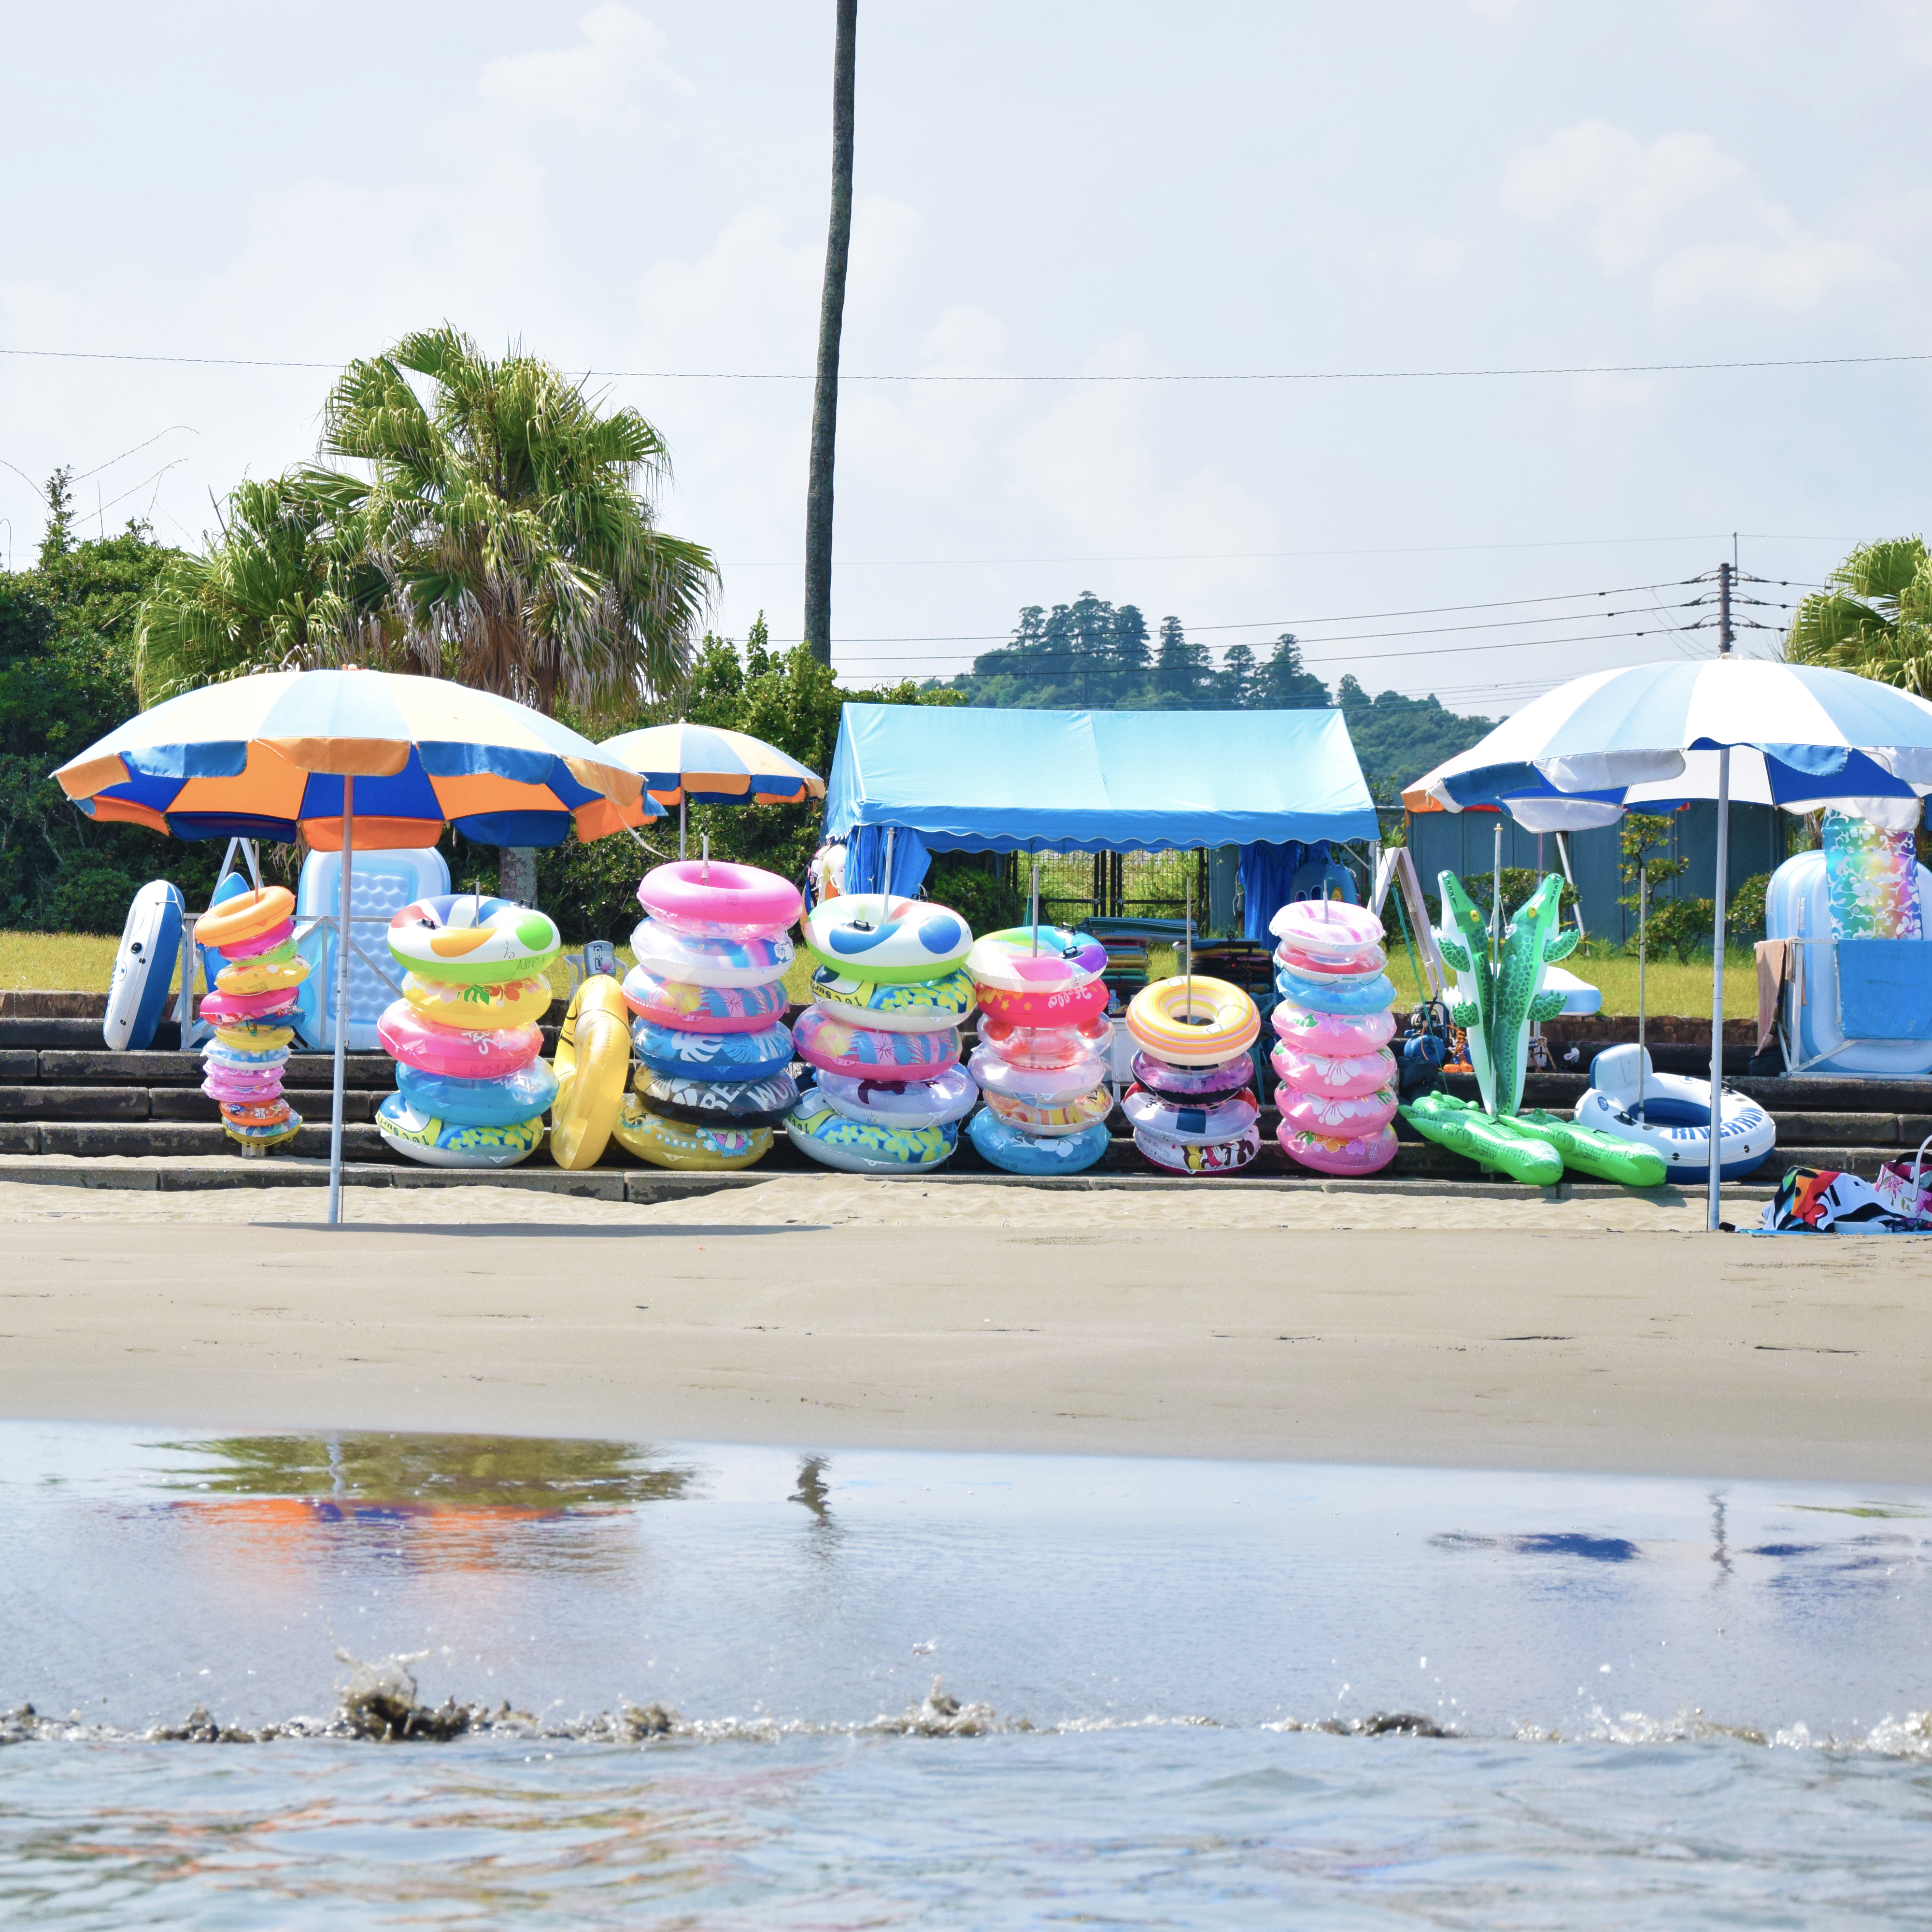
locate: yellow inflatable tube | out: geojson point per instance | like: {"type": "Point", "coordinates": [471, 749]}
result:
{"type": "Point", "coordinates": [678, 1143]}
{"type": "Point", "coordinates": [1193, 1021]}
{"type": "Point", "coordinates": [592, 1066]}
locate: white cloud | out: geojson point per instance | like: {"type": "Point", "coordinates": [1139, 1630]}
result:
{"type": "Point", "coordinates": [1633, 189]}
{"type": "Point", "coordinates": [1436, 257]}
{"type": "Point", "coordinates": [1498, 10]}
{"type": "Point", "coordinates": [1087, 462]}
{"type": "Point", "coordinates": [592, 85]}
{"type": "Point", "coordinates": [1799, 274]}
{"type": "Point", "coordinates": [920, 438]}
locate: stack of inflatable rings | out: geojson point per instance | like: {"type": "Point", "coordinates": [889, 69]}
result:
{"type": "Point", "coordinates": [1041, 1059]}
{"type": "Point", "coordinates": [241, 1066]}
{"type": "Point", "coordinates": [714, 1053]}
{"type": "Point", "coordinates": [1337, 1094]}
{"type": "Point", "coordinates": [882, 1035]}
{"type": "Point", "coordinates": [471, 1089]}
{"type": "Point", "coordinates": [1191, 1107]}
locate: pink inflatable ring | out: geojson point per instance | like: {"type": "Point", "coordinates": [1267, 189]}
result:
{"type": "Point", "coordinates": [1029, 959]}
{"type": "Point", "coordinates": [1368, 1155]}
{"type": "Point", "coordinates": [1365, 965]}
{"type": "Point", "coordinates": [248, 1006]}
{"type": "Point", "coordinates": [1327, 929]}
{"type": "Point", "coordinates": [419, 1043]}
{"type": "Point", "coordinates": [717, 899]}
{"type": "Point", "coordinates": [1332, 1035]}
{"type": "Point", "coordinates": [1337, 1120]}
{"type": "Point", "coordinates": [1338, 1079]}
{"type": "Point", "coordinates": [1052, 1008]}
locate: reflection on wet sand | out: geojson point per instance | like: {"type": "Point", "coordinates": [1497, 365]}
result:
{"type": "Point", "coordinates": [459, 1501]}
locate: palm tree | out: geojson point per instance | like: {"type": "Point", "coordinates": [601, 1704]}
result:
{"type": "Point", "coordinates": [818, 491]}
{"type": "Point", "coordinates": [514, 523]}
{"type": "Point", "coordinates": [278, 589]}
{"type": "Point", "coordinates": [1877, 622]}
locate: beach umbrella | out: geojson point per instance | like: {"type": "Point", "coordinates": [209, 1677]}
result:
{"type": "Point", "coordinates": [1796, 736]}
{"type": "Point", "coordinates": [331, 756]}
{"type": "Point", "coordinates": [705, 764]}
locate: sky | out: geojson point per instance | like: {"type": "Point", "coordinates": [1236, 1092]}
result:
{"type": "Point", "coordinates": [639, 193]}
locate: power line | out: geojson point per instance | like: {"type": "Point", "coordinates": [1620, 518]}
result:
{"type": "Point", "coordinates": [1071, 671]}
{"type": "Point", "coordinates": [1358, 637]}
{"type": "Point", "coordinates": [1250, 376]}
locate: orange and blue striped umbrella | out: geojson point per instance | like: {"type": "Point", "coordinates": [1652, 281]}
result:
{"type": "Point", "coordinates": [265, 757]}
{"type": "Point", "coordinates": [705, 764]}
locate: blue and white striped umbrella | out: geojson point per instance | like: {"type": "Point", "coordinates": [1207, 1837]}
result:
{"type": "Point", "coordinates": [1800, 736]}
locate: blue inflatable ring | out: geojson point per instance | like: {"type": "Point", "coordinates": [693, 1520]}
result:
{"type": "Point", "coordinates": [504, 1101]}
{"type": "Point", "coordinates": [713, 1056]}
{"type": "Point", "coordinates": [1005, 1147]}
{"type": "Point", "coordinates": [1342, 996]}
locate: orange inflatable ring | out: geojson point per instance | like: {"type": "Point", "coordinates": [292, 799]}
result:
{"type": "Point", "coordinates": [247, 916]}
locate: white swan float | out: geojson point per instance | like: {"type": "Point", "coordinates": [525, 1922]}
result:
{"type": "Point", "coordinates": [1674, 1117]}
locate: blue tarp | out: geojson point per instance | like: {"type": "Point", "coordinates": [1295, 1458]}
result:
{"type": "Point", "coordinates": [974, 780]}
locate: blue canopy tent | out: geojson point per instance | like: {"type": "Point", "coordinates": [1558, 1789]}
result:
{"type": "Point", "coordinates": [965, 779]}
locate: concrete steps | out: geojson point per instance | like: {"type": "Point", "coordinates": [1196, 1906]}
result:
{"type": "Point", "coordinates": [63, 1096]}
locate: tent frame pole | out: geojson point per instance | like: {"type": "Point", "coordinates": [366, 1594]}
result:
{"type": "Point", "coordinates": [1711, 1202]}
{"type": "Point", "coordinates": [341, 1016]}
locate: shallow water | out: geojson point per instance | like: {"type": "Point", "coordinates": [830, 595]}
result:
{"type": "Point", "coordinates": [695, 1685]}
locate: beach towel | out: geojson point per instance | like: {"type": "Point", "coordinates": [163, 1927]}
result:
{"type": "Point", "coordinates": [1777, 959]}
{"type": "Point", "coordinates": [1820, 1201]}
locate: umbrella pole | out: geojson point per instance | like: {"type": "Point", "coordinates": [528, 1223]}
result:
{"type": "Point", "coordinates": [1717, 984]}
{"type": "Point", "coordinates": [680, 827]}
{"type": "Point", "coordinates": [1033, 897]}
{"type": "Point", "coordinates": [341, 1004]}
{"type": "Point", "coordinates": [1642, 907]}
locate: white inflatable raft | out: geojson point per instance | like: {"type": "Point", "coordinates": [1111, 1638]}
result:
{"type": "Point", "coordinates": [1675, 1119]}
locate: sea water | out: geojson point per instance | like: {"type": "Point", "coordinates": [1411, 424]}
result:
{"type": "Point", "coordinates": [682, 1685]}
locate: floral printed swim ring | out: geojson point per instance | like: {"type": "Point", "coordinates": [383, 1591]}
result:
{"type": "Point", "coordinates": [1340, 1079]}
{"type": "Point", "coordinates": [696, 1008]}
{"type": "Point", "coordinates": [714, 1056]}
{"type": "Point", "coordinates": [835, 1046]}
{"type": "Point", "coordinates": [1324, 1114]}
{"type": "Point", "coordinates": [684, 1146]}
{"type": "Point", "coordinates": [886, 939]}
{"type": "Point", "coordinates": [888, 1006]}
{"type": "Point", "coordinates": [468, 939]}
{"type": "Point", "coordinates": [1340, 1035]}
{"type": "Point", "coordinates": [1009, 1148]}
{"type": "Point", "coordinates": [443, 1143]}
{"type": "Point", "coordinates": [477, 1008]}
{"type": "Point", "coordinates": [1367, 1153]}
{"type": "Point", "coordinates": [821, 1133]}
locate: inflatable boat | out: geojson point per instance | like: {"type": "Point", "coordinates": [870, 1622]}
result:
{"type": "Point", "coordinates": [1674, 1117]}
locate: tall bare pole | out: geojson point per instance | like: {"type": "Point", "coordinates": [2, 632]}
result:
{"type": "Point", "coordinates": [831, 323]}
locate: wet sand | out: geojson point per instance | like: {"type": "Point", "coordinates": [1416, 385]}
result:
{"type": "Point", "coordinates": [1601, 1333]}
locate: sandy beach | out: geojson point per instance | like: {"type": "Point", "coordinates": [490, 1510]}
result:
{"type": "Point", "coordinates": [1601, 1334]}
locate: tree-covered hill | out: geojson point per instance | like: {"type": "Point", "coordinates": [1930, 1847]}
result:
{"type": "Point", "coordinates": [1093, 655]}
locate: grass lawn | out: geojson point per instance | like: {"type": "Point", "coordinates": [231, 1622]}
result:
{"type": "Point", "coordinates": [80, 962]}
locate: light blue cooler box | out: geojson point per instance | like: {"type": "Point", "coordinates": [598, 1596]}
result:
{"type": "Point", "coordinates": [380, 884]}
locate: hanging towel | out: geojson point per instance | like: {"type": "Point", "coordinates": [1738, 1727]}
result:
{"type": "Point", "coordinates": [1775, 960]}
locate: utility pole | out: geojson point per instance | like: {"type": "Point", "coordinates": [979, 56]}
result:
{"type": "Point", "coordinates": [831, 323]}
{"type": "Point", "coordinates": [1723, 609]}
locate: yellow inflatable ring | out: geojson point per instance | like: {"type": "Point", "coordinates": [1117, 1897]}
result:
{"type": "Point", "coordinates": [247, 916]}
{"type": "Point", "coordinates": [593, 1067]}
{"type": "Point", "coordinates": [512, 1003]}
{"type": "Point", "coordinates": [676, 1144]}
{"type": "Point", "coordinates": [254, 1035]}
{"type": "Point", "coordinates": [265, 975]}
{"type": "Point", "coordinates": [1194, 1022]}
